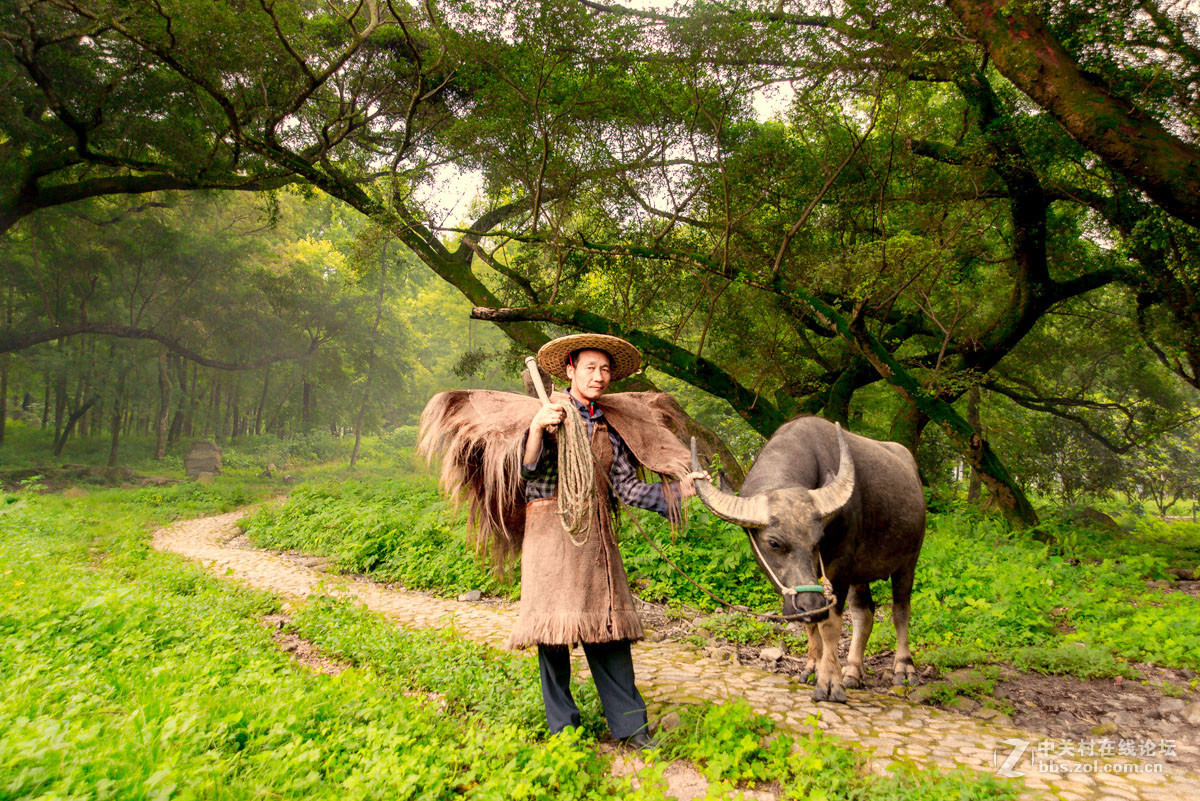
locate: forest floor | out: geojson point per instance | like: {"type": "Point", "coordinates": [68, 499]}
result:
{"type": "Point", "coordinates": [1148, 765]}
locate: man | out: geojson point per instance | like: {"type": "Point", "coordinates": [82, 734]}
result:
{"type": "Point", "coordinates": [499, 450]}
{"type": "Point", "coordinates": [574, 591]}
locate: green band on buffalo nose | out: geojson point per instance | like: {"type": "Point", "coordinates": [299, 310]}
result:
{"type": "Point", "coordinates": [809, 588]}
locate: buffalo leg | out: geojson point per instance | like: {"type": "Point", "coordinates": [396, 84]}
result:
{"type": "Point", "coordinates": [903, 669]}
{"type": "Point", "coordinates": [814, 654]}
{"type": "Point", "coordinates": [829, 673]}
{"type": "Point", "coordinates": [862, 616]}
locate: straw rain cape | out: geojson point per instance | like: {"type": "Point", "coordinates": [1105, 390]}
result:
{"type": "Point", "coordinates": [568, 593]}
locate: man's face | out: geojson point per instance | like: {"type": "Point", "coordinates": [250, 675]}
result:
{"type": "Point", "coordinates": [590, 374]}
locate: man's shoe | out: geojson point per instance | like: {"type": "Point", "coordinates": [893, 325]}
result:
{"type": "Point", "coordinates": [640, 741]}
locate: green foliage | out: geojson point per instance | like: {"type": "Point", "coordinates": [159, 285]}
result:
{"type": "Point", "coordinates": [131, 675]}
{"type": "Point", "coordinates": [983, 589]}
{"type": "Point", "coordinates": [1070, 659]}
{"type": "Point", "coordinates": [1174, 544]}
{"type": "Point", "coordinates": [727, 741]}
{"type": "Point", "coordinates": [313, 447]}
{"type": "Point", "coordinates": [395, 529]}
{"type": "Point", "coordinates": [745, 630]}
{"type": "Point", "coordinates": [735, 746]}
{"type": "Point", "coordinates": [712, 552]}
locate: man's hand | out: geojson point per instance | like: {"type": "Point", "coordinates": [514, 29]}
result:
{"type": "Point", "coordinates": [687, 486]}
{"type": "Point", "coordinates": [546, 420]}
{"type": "Point", "coordinates": [548, 417]}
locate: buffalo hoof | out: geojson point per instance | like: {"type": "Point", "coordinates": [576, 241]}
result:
{"type": "Point", "coordinates": [904, 676]}
{"type": "Point", "coordinates": [836, 693]}
{"type": "Point", "coordinates": [809, 676]}
{"type": "Point", "coordinates": [852, 681]}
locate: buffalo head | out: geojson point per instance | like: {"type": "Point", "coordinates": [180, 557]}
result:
{"type": "Point", "coordinates": [786, 526]}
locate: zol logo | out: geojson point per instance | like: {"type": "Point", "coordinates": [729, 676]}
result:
{"type": "Point", "coordinates": [1006, 768]}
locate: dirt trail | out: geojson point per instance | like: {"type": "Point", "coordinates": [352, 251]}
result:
{"type": "Point", "coordinates": [671, 673]}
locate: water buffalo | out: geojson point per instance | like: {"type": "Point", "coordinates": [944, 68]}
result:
{"type": "Point", "coordinates": [817, 495]}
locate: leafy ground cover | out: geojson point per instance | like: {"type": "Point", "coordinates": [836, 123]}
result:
{"type": "Point", "coordinates": [395, 529]}
{"type": "Point", "coordinates": [1079, 604]}
{"type": "Point", "coordinates": [982, 588]}
{"type": "Point", "coordinates": [134, 676]}
{"type": "Point", "coordinates": [131, 675]}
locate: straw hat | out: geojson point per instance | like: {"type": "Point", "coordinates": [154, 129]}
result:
{"type": "Point", "coordinates": [625, 358]}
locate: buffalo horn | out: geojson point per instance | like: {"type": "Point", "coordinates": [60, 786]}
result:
{"type": "Point", "coordinates": [747, 512]}
{"type": "Point", "coordinates": [833, 496]}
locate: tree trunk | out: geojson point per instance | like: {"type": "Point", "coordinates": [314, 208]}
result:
{"type": "Point", "coordinates": [975, 486]}
{"type": "Point", "coordinates": [61, 441]}
{"type": "Point", "coordinates": [46, 405]}
{"type": "Point", "coordinates": [3, 396]}
{"type": "Point", "coordinates": [77, 401]}
{"type": "Point", "coordinates": [176, 428]}
{"type": "Point", "coordinates": [1130, 141]}
{"type": "Point", "coordinates": [193, 400]}
{"type": "Point", "coordinates": [362, 408]}
{"type": "Point", "coordinates": [262, 401]}
{"type": "Point", "coordinates": [907, 427]}
{"type": "Point", "coordinates": [212, 426]}
{"type": "Point", "coordinates": [306, 404]}
{"type": "Point", "coordinates": [164, 408]}
{"type": "Point", "coordinates": [8, 312]}
{"type": "Point", "coordinates": [85, 425]}
{"type": "Point", "coordinates": [229, 419]}
{"type": "Point", "coordinates": [837, 402]}
{"type": "Point", "coordinates": [118, 409]}
{"type": "Point", "coordinates": [60, 404]}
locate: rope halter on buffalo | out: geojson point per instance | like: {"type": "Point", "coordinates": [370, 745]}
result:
{"type": "Point", "coordinates": [825, 587]}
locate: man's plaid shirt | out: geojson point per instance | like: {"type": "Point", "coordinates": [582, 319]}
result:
{"type": "Point", "coordinates": [541, 479]}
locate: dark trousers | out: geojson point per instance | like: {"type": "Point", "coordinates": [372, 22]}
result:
{"type": "Point", "coordinates": [611, 664]}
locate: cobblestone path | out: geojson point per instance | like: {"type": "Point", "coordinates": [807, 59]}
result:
{"type": "Point", "coordinates": [672, 673]}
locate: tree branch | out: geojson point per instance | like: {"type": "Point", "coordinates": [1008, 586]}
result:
{"type": "Point", "coordinates": [1130, 141]}
{"type": "Point", "coordinates": [15, 340]}
{"type": "Point", "coordinates": [762, 415]}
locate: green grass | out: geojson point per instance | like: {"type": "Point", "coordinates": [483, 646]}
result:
{"type": "Point", "coordinates": [981, 587]}
{"type": "Point", "coordinates": [730, 744]}
{"type": "Point", "coordinates": [131, 675]}
{"type": "Point", "coordinates": [471, 679]}
{"type": "Point", "coordinates": [395, 529]}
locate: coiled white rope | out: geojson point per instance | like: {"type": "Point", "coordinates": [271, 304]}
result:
{"type": "Point", "coordinates": [577, 499]}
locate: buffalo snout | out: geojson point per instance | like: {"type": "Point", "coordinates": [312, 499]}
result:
{"type": "Point", "coordinates": [806, 603]}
